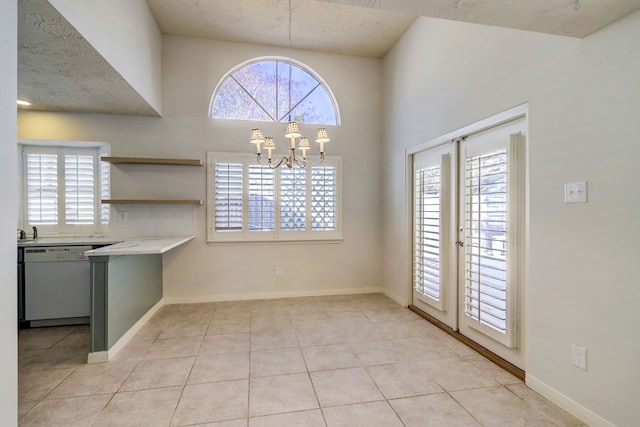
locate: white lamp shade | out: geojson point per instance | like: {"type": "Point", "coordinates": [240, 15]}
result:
{"type": "Point", "coordinates": [292, 130]}
{"type": "Point", "coordinates": [322, 135]}
{"type": "Point", "coordinates": [268, 142]}
{"type": "Point", "coordinates": [256, 136]}
{"type": "Point", "coordinates": [304, 143]}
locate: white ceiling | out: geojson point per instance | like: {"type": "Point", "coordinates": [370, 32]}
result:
{"type": "Point", "coordinates": [59, 70]}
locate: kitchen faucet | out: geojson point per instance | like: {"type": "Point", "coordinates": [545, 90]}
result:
{"type": "Point", "coordinates": [35, 232]}
{"type": "Point", "coordinates": [23, 235]}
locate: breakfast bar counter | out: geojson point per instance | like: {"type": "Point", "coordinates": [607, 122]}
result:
{"type": "Point", "coordinates": [141, 246]}
{"type": "Point", "coordinates": [126, 287]}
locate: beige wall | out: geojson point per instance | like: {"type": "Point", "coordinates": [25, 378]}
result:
{"type": "Point", "coordinates": [8, 194]}
{"type": "Point", "coordinates": [583, 102]}
{"type": "Point", "coordinates": [191, 69]}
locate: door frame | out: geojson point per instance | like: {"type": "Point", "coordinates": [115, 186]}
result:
{"type": "Point", "coordinates": [515, 113]}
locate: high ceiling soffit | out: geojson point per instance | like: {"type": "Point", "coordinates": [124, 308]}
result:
{"type": "Point", "coordinates": [59, 70]}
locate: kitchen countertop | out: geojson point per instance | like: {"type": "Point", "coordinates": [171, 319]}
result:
{"type": "Point", "coordinates": [141, 246]}
{"type": "Point", "coordinates": [64, 241]}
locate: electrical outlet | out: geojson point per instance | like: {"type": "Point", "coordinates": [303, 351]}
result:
{"type": "Point", "coordinates": [278, 271]}
{"type": "Point", "coordinates": [575, 192]}
{"type": "Point", "coordinates": [579, 356]}
{"type": "Point", "coordinates": [122, 216]}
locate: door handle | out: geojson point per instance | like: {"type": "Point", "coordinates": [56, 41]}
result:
{"type": "Point", "coordinates": [460, 243]}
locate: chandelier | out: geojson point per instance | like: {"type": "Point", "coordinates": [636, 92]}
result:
{"type": "Point", "coordinates": [293, 133]}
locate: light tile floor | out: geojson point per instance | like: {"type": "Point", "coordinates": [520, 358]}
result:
{"type": "Point", "coordinates": [352, 361]}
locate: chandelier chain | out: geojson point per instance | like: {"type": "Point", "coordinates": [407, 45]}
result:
{"type": "Point", "coordinates": [293, 133]}
{"type": "Point", "coordinates": [290, 20]}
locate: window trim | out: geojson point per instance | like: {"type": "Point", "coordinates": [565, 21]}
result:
{"type": "Point", "coordinates": [277, 236]}
{"type": "Point", "coordinates": [291, 61]}
{"type": "Point", "coordinates": [97, 149]}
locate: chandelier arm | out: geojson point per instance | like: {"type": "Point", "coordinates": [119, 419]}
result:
{"type": "Point", "coordinates": [315, 163]}
{"type": "Point", "coordinates": [291, 160]}
{"type": "Point", "coordinates": [301, 165]}
{"type": "Point", "coordinates": [272, 165]}
{"type": "Point", "coordinates": [276, 165]}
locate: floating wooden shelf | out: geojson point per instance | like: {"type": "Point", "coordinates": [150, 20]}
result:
{"type": "Point", "coordinates": [152, 161]}
{"type": "Point", "coordinates": [151, 202]}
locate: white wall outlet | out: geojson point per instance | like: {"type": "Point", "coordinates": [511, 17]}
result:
{"type": "Point", "coordinates": [579, 356]}
{"type": "Point", "coordinates": [278, 271]}
{"type": "Point", "coordinates": [122, 216]}
{"type": "Point", "coordinates": [575, 192]}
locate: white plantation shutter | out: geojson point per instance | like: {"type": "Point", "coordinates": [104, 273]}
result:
{"type": "Point", "coordinates": [79, 188]}
{"type": "Point", "coordinates": [492, 181]}
{"type": "Point", "coordinates": [62, 189]}
{"type": "Point", "coordinates": [228, 197]}
{"type": "Point", "coordinates": [42, 188]}
{"type": "Point", "coordinates": [293, 199]}
{"type": "Point", "coordinates": [262, 208]}
{"type": "Point", "coordinates": [427, 232]}
{"type": "Point", "coordinates": [432, 216]}
{"type": "Point", "coordinates": [252, 202]}
{"type": "Point", "coordinates": [486, 232]}
{"type": "Point", "coordinates": [323, 197]}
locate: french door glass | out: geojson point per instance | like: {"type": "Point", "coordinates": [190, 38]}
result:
{"type": "Point", "coordinates": [490, 222]}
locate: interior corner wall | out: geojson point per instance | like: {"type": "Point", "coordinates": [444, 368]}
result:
{"type": "Point", "coordinates": [196, 271]}
{"type": "Point", "coordinates": [583, 102]}
{"type": "Point", "coordinates": [125, 33]}
{"type": "Point", "coordinates": [9, 196]}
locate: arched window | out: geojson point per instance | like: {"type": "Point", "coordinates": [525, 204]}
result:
{"type": "Point", "coordinates": [274, 89]}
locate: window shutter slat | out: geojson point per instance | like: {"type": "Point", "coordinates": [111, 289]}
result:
{"type": "Point", "coordinates": [293, 199]}
{"type": "Point", "coordinates": [261, 202]}
{"type": "Point", "coordinates": [486, 213]}
{"type": "Point", "coordinates": [323, 198]}
{"type": "Point", "coordinates": [79, 189]}
{"type": "Point", "coordinates": [61, 188]}
{"type": "Point", "coordinates": [42, 188]}
{"type": "Point", "coordinates": [427, 231]}
{"type": "Point", "coordinates": [228, 196]}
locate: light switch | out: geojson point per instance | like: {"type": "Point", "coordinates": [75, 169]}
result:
{"type": "Point", "coordinates": [575, 192]}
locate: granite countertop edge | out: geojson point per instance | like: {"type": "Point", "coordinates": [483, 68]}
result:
{"type": "Point", "coordinates": [113, 246]}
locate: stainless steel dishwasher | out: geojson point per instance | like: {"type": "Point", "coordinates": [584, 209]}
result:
{"type": "Point", "coordinates": [57, 282]}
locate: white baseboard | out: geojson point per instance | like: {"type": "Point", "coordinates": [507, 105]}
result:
{"type": "Point", "coordinates": [583, 414]}
{"type": "Point", "coordinates": [270, 295]}
{"type": "Point", "coordinates": [98, 357]}
{"type": "Point", "coordinates": [105, 356]}
{"type": "Point", "coordinates": [395, 297]}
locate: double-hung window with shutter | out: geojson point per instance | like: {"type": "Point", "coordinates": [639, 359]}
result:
{"type": "Point", "coordinates": [252, 202]}
{"type": "Point", "coordinates": [62, 188]}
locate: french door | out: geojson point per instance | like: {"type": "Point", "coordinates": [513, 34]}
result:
{"type": "Point", "coordinates": [468, 221]}
{"type": "Point", "coordinates": [435, 233]}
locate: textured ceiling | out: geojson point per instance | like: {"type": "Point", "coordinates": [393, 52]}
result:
{"type": "Point", "coordinates": [315, 25]}
{"type": "Point", "coordinates": [575, 18]}
{"type": "Point", "coordinates": [372, 27]}
{"type": "Point", "coordinates": [59, 70]}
